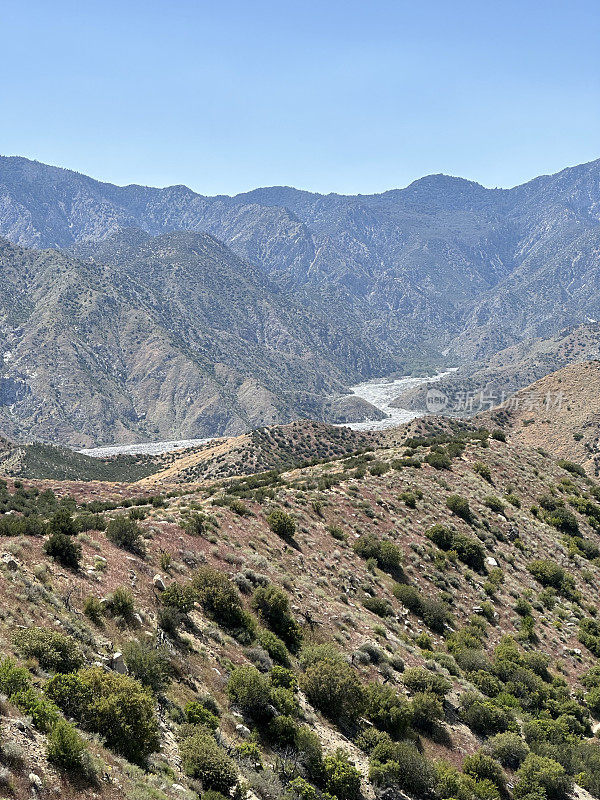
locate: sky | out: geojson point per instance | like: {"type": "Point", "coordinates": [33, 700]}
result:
{"type": "Point", "coordinates": [342, 96]}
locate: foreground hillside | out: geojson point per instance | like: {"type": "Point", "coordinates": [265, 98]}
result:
{"type": "Point", "coordinates": [417, 618]}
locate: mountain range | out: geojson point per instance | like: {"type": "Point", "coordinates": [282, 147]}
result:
{"type": "Point", "coordinates": [136, 313]}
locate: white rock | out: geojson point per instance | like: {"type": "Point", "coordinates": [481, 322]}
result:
{"type": "Point", "coordinates": [35, 781]}
{"type": "Point", "coordinates": [491, 562]}
{"type": "Point", "coordinates": [118, 663]}
{"type": "Point", "coordinates": [10, 562]}
{"type": "Point", "coordinates": [159, 583]}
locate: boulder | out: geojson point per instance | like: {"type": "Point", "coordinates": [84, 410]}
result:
{"type": "Point", "coordinates": [10, 562]}
{"type": "Point", "coordinates": [118, 663]}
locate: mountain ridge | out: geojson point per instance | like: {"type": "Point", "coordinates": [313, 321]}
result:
{"type": "Point", "coordinates": [442, 271]}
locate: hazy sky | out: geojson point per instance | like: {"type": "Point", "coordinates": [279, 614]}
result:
{"type": "Point", "coordinates": [331, 96]}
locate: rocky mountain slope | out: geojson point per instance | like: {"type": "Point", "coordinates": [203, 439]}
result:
{"type": "Point", "coordinates": [441, 261]}
{"type": "Point", "coordinates": [162, 338]}
{"type": "Point", "coordinates": [559, 412]}
{"type": "Point", "coordinates": [414, 619]}
{"type": "Point", "coordinates": [508, 370]}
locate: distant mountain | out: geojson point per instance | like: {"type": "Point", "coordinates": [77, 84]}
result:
{"type": "Point", "coordinates": [284, 297]}
{"type": "Point", "coordinates": [164, 337]}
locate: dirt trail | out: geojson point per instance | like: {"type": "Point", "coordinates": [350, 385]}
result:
{"type": "Point", "coordinates": [173, 471]}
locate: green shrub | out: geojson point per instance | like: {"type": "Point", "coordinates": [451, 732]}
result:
{"type": "Point", "coordinates": [482, 716]}
{"type": "Point", "coordinates": [482, 767]}
{"type": "Point", "coordinates": [337, 533]}
{"type": "Point", "coordinates": [508, 748]}
{"type": "Point", "coordinates": [434, 613]}
{"type": "Point", "coordinates": [62, 522]}
{"type": "Point", "coordinates": [404, 768]}
{"type": "Point", "coordinates": [541, 773]}
{"type": "Point", "coordinates": [387, 555]}
{"type": "Point", "coordinates": [409, 499]}
{"type": "Point", "coordinates": [64, 550]}
{"type": "Point", "coordinates": [67, 750]}
{"type": "Point", "coordinates": [120, 603]}
{"type": "Point", "coordinates": [378, 468]}
{"type": "Point", "coordinates": [552, 575]}
{"type": "Point", "coordinates": [387, 710]}
{"type": "Point", "coordinates": [592, 700]}
{"type": "Point", "coordinates": [13, 679]}
{"type": "Point", "coordinates": [569, 466]}
{"type": "Point", "coordinates": [179, 596]}
{"type": "Point", "coordinates": [151, 665]}
{"type": "Point", "coordinates": [273, 606]}
{"type": "Point", "coordinates": [116, 706]}
{"type": "Point", "coordinates": [125, 532]}
{"type": "Point", "coordinates": [169, 619]}
{"type": "Point", "coordinates": [563, 520]}
{"type": "Point", "coordinates": [282, 524]}
{"type": "Point", "coordinates": [89, 522]}
{"type": "Point", "coordinates": [589, 635]}
{"type": "Point", "coordinates": [203, 759]}
{"type": "Point", "coordinates": [334, 688]}
{"type": "Point", "coordinates": [196, 713]}
{"type": "Point", "coordinates": [441, 536]}
{"type": "Point", "coordinates": [195, 524]}
{"type": "Point", "coordinates": [499, 435]}
{"type": "Point", "coordinates": [438, 460]}
{"type": "Point", "coordinates": [483, 469]}
{"type": "Point", "coordinates": [53, 651]}
{"type": "Point", "coordinates": [274, 647]}
{"type": "Point", "coordinates": [460, 506]}
{"type": "Point", "coordinates": [220, 599]}
{"type": "Point", "coordinates": [427, 711]}
{"type": "Point", "coordinates": [419, 679]}
{"type": "Point", "coordinates": [250, 691]}
{"type": "Point", "coordinates": [93, 609]}
{"type": "Point", "coordinates": [303, 790]}
{"type": "Point", "coordinates": [494, 504]}
{"type": "Point", "coordinates": [283, 678]}
{"type": "Point", "coordinates": [43, 712]}
{"type": "Point", "coordinates": [469, 551]}
{"type": "Point", "coordinates": [240, 508]}
{"type": "Point", "coordinates": [284, 700]}
{"type": "Point", "coordinates": [452, 783]}
{"type": "Point", "coordinates": [342, 779]}
{"type": "Point", "coordinates": [379, 606]}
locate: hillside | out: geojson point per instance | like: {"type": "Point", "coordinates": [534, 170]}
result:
{"type": "Point", "coordinates": [279, 447]}
{"type": "Point", "coordinates": [510, 369]}
{"type": "Point", "coordinates": [170, 337]}
{"type": "Point", "coordinates": [50, 462]}
{"type": "Point", "coordinates": [560, 412]}
{"type": "Point", "coordinates": [432, 597]}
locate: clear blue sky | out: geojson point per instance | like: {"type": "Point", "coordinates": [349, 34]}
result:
{"type": "Point", "coordinates": [335, 95]}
